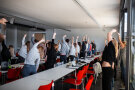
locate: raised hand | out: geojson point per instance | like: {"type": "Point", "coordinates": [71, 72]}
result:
{"type": "Point", "coordinates": [65, 36]}
{"type": "Point", "coordinates": [33, 35]}
{"type": "Point", "coordinates": [54, 35]}
{"type": "Point", "coordinates": [25, 35]}
{"type": "Point", "coordinates": [114, 30]}
{"type": "Point", "coordinates": [3, 21]}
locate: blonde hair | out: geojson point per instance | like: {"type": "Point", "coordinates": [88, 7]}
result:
{"type": "Point", "coordinates": [115, 43]}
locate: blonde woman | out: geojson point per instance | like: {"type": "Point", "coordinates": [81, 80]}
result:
{"type": "Point", "coordinates": [108, 58]}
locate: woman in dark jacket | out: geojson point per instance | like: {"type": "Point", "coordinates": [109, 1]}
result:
{"type": "Point", "coordinates": [52, 54]}
{"type": "Point", "coordinates": [108, 58]}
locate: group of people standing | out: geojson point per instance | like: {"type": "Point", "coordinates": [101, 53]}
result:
{"type": "Point", "coordinates": [67, 49]}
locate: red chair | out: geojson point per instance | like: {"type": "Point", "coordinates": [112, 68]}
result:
{"type": "Point", "coordinates": [0, 74]}
{"type": "Point", "coordinates": [85, 72]}
{"type": "Point", "coordinates": [46, 87]}
{"type": "Point", "coordinates": [58, 60]}
{"type": "Point", "coordinates": [11, 74]}
{"type": "Point", "coordinates": [18, 72]}
{"type": "Point", "coordinates": [77, 81]}
{"type": "Point", "coordinates": [88, 85]}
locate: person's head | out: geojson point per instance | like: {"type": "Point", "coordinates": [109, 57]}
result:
{"type": "Point", "coordinates": [36, 41]}
{"type": "Point", "coordinates": [79, 43]}
{"type": "Point", "coordinates": [75, 45]}
{"type": "Point", "coordinates": [67, 40]}
{"type": "Point", "coordinates": [40, 49]}
{"type": "Point", "coordinates": [85, 42]}
{"type": "Point", "coordinates": [56, 46]}
{"type": "Point", "coordinates": [10, 46]}
{"type": "Point", "coordinates": [115, 43]}
{"type": "Point", "coordinates": [28, 43]}
{"type": "Point", "coordinates": [49, 45]}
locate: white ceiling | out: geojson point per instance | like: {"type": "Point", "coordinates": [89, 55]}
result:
{"type": "Point", "coordinates": [66, 13]}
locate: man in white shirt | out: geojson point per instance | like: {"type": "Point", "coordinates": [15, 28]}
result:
{"type": "Point", "coordinates": [32, 60]}
{"type": "Point", "coordinates": [24, 50]}
{"type": "Point", "coordinates": [72, 50]}
{"type": "Point", "coordinates": [64, 50]}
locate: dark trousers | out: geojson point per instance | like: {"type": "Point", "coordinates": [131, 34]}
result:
{"type": "Point", "coordinates": [107, 76]}
{"type": "Point", "coordinates": [93, 51]}
{"type": "Point", "coordinates": [28, 70]}
{"type": "Point", "coordinates": [88, 53]}
{"type": "Point", "coordinates": [123, 72]}
{"type": "Point", "coordinates": [63, 58]}
{"type": "Point", "coordinates": [49, 66]}
{"type": "Point", "coordinates": [82, 54]}
{"type": "Point", "coordinates": [71, 57]}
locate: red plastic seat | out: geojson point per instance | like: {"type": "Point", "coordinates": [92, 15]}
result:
{"type": "Point", "coordinates": [18, 71]}
{"type": "Point", "coordinates": [86, 69]}
{"type": "Point", "coordinates": [11, 74]}
{"type": "Point", "coordinates": [91, 68]}
{"type": "Point", "coordinates": [78, 79]}
{"type": "Point", "coordinates": [46, 87]}
{"type": "Point", "coordinates": [88, 85]}
{"type": "Point", "coordinates": [0, 74]}
{"type": "Point", "coordinates": [58, 60]}
{"type": "Point", "coordinates": [90, 72]}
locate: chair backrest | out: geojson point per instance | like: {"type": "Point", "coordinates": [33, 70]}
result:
{"type": "Point", "coordinates": [11, 73]}
{"type": "Point", "coordinates": [80, 74]}
{"type": "Point", "coordinates": [18, 71]}
{"type": "Point", "coordinates": [46, 87]}
{"type": "Point", "coordinates": [88, 85]}
{"type": "Point", "coordinates": [0, 74]}
{"type": "Point", "coordinates": [85, 68]}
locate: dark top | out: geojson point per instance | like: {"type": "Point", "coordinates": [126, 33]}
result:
{"type": "Point", "coordinates": [51, 55]}
{"type": "Point", "coordinates": [5, 54]}
{"type": "Point", "coordinates": [83, 46]}
{"type": "Point", "coordinates": [109, 53]}
{"type": "Point", "coordinates": [93, 46]}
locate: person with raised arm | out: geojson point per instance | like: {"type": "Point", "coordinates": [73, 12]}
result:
{"type": "Point", "coordinates": [109, 56]}
{"type": "Point", "coordinates": [122, 59]}
{"type": "Point", "coordinates": [64, 50]}
{"type": "Point", "coordinates": [89, 50]}
{"type": "Point", "coordinates": [72, 50]}
{"type": "Point", "coordinates": [82, 54]}
{"type": "Point", "coordinates": [59, 48]}
{"type": "Point", "coordinates": [77, 48]}
{"type": "Point", "coordinates": [24, 50]}
{"type": "Point", "coordinates": [52, 53]}
{"type": "Point", "coordinates": [32, 60]}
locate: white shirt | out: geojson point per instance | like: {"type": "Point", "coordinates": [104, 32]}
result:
{"type": "Point", "coordinates": [78, 48]}
{"type": "Point", "coordinates": [87, 47]}
{"type": "Point", "coordinates": [33, 57]}
{"type": "Point", "coordinates": [59, 48]}
{"type": "Point", "coordinates": [72, 50]}
{"type": "Point", "coordinates": [23, 50]}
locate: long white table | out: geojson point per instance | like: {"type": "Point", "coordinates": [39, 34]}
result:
{"type": "Point", "coordinates": [27, 83]}
{"type": "Point", "coordinates": [34, 81]}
